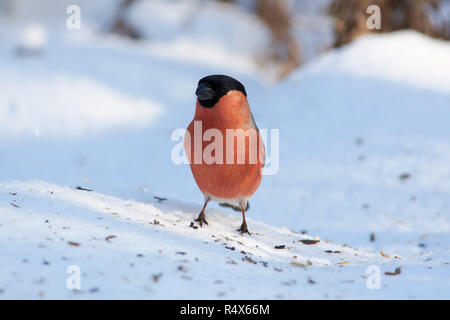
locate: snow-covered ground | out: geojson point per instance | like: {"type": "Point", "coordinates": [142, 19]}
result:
{"type": "Point", "coordinates": [364, 167]}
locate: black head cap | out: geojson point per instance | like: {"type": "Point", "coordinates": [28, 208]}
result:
{"type": "Point", "coordinates": [211, 88]}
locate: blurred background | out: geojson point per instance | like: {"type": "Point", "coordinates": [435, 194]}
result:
{"type": "Point", "coordinates": [91, 92]}
{"type": "Point", "coordinates": [276, 35]}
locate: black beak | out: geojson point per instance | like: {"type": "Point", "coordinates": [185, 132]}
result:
{"type": "Point", "coordinates": [204, 92]}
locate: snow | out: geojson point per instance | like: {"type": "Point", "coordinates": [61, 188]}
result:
{"type": "Point", "coordinates": [34, 37]}
{"type": "Point", "coordinates": [136, 247]}
{"type": "Point", "coordinates": [66, 113]}
{"type": "Point", "coordinates": [404, 57]}
{"type": "Point", "coordinates": [364, 148]}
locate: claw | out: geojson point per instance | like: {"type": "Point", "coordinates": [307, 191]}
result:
{"type": "Point", "coordinates": [201, 219]}
{"type": "Point", "coordinates": [243, 229]}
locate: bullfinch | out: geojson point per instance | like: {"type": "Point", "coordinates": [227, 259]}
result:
{"type": "Point", "coordinates": [223, 145]}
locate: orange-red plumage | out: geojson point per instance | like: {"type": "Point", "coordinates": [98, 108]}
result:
{"type": "Point", "coordinates": [231, 183]}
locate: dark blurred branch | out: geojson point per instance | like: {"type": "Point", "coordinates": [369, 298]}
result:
{"type": "Point", "coordinates": [120, 25]}
{"type": "Point", "coordinates": [284, 48]}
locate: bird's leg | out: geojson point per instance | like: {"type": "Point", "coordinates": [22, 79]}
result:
{"type": "Point", "coordinates": [201, 217]}
{"type": "Point", "coordinates": [243, 228]}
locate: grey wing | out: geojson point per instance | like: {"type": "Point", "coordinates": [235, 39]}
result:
{"type": "Point", "coordinates": [253, 124]}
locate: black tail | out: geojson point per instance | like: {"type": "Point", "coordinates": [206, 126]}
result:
{"type": "Point", "coordinates": [235, 208]}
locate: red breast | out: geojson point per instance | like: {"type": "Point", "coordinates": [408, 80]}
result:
{"type": "Point", "coordinates": [224, 180]}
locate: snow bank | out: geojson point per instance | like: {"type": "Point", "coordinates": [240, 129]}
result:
{"type": "Point", "coordinates": [43, 104]}
{"type": "Point", "coordinates": [143, 248]}
{"type": "Point", "coordinates": [404, 57]}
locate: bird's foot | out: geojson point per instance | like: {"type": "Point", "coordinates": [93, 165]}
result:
{"type": "Point", "coordinates": [201, 219]}
{"type": "Point", "coordinates": [243, 229]}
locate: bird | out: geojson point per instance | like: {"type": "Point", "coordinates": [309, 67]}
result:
{"type": "Point", "coordinates": [223, 109]}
